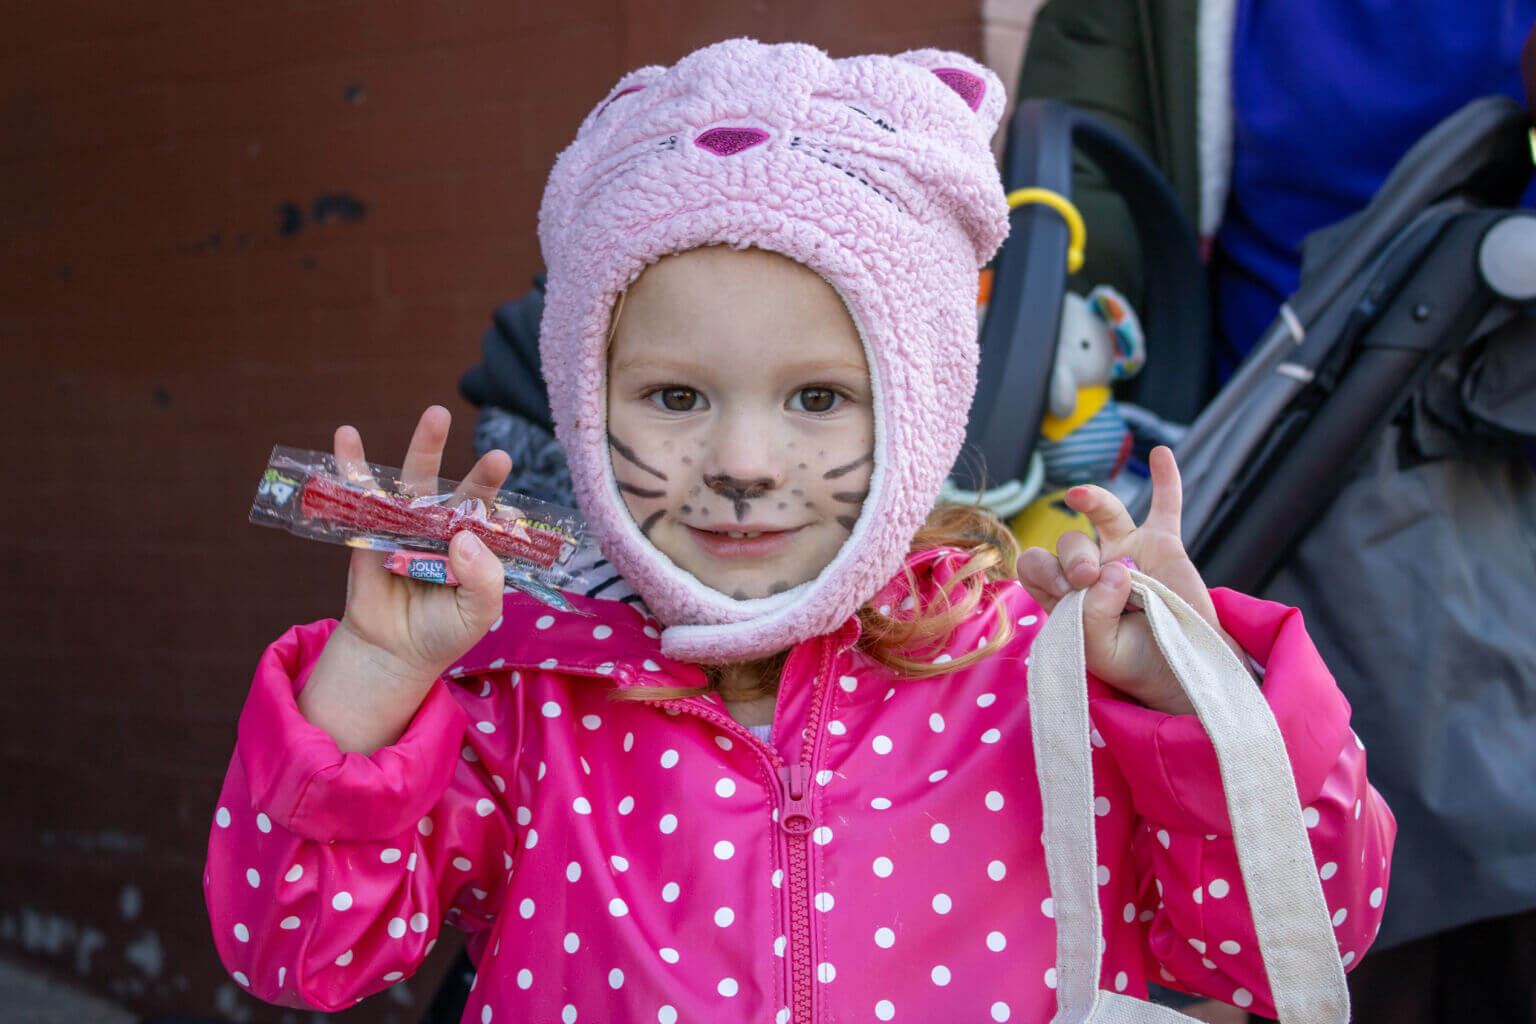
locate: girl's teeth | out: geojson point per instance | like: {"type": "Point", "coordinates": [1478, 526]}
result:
{"type": "Point", "coordinates": [740, 536]}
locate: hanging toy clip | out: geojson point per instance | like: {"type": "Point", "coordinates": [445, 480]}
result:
{"type": "Point", "coordinates": [1077, 232]}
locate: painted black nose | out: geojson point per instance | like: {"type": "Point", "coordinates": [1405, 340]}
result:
{"type": "Point", "coordinates": [735, 488]}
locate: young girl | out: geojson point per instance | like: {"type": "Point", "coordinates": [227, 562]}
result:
{"type": "Point", "coordinates": [797, 784]}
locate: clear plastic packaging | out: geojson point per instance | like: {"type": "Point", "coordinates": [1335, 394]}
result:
{"type": "Point", "coordinates": [365, 506]}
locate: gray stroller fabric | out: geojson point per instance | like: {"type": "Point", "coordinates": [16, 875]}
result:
{"type": "Point", "coordinates": [1419, 587]}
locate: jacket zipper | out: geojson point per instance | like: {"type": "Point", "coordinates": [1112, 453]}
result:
{"type": "Point", "coordinates": [796, 821]}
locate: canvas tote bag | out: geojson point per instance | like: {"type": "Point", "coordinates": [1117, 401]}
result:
{"type": "Point", "coordinates": [1285, 895]}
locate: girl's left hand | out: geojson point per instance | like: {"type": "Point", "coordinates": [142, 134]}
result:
{"type": "Point", "coordinates": [1117, 642]}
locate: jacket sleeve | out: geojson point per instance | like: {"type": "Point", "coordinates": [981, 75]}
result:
{"type": "Point", "coordinates": [329, 874]}
{"type": "Point", "coordinates": [1200, 935]}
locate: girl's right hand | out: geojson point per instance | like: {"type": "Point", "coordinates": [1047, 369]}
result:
{"type": "Point", "coordinates": [397, 635]}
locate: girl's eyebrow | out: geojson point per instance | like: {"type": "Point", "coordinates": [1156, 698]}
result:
{"type": "Point", "coordinates": [809, 369]}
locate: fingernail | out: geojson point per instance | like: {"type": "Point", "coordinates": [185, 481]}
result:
{"type": "Point", "coordinates": [1127, 561]}
{"type": "Point", "coordinates": [1059, 586]}
{"type": "Point", "coordinates": [1112, 575]}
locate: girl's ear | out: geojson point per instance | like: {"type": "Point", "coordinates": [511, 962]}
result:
{"type": "Point", "coordinates": [973, 82]}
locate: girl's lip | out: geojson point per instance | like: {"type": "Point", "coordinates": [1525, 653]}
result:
{"type": "Point", "coordinates": [721, 544]}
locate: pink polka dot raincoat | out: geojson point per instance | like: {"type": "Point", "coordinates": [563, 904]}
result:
{"type": "Point", "coordinates": [879, 859]}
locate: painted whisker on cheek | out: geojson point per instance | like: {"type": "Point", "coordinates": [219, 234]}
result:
{"type": "Point", "coordinates": [741, 510]}
{"type": "Point", "coordinates": [833, 474]}
{"type": "Point", "coordinates": [650, 521]}
{"type": "Point", "coordinates": [850, 497]}
{"type": "Point", "coordinates": [640, 492]}
{"type": "Point", "coordinates": [629, 454]}
{"type": "Point", "coordinates": [846, 522]}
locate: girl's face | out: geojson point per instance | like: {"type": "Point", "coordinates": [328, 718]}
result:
{"type": "Point", "coordinates": [740, 422]}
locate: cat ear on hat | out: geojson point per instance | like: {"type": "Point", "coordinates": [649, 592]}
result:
{"type": "Point", "coordinates": [977, 85]}
{"type": "Point", "coordinates": [627, 86]}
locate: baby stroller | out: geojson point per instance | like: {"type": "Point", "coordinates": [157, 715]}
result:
{"type": "Point", "coordinates": [1370, 462]}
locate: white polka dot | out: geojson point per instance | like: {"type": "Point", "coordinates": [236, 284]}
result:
{"type": "Point", "coordinates": [670, 892]}
{"type": "Point", "coordinates": [550, 709]}
{"type": "Point", "coordinates": [485, 727]}
{"type": "Point", "coordinates": [668, 758]}
{"type": "Point", "coordinates": [991, 736]}
{"type": "Point", "coordinates": [1357, 810]}
{"type": "Point", "coordinates": [617, 907]}
{"type": "Point", "coordinates": [1048, 907]}
{"type": "Point", "coordinates": [944, 659]}
{"type": "Point", "coordinates": [221, 816]}
{"type": "Point", "coordinates": [1095, 738]}
{"type": "Point", "coordinates": [289, 923]}
{"type": "Point", "coordinates": [629, 741]}
{"type": "Point", "coordinates": [822, 836]}
{"type": "Point", "coordinates": [396, 927]}
{"type": "Point", "coordinates": [1338, 918]}
{"type": "Point", "coordinates": [282, 972]}
{"type": "Point", "coordinates": [253, 877]}
{"type": "Point", "coordinates": [602, 632]}
{"type": "Point", "coordinates": [848, 683]}
{"type": "Point", "coordinates": [939, 833]}
{"type": "Point", "coordinates": [885, 938]}
{"type": "Point", "coordinates": [241, 978]}
{"type": "Point", "coordinates": [650, 666]}
{"type": "Point", "coordinates": [882, 744]}
{"type": "Point", "coordinates": [549, 663]}
{"type": "Point", "coordinates": [668, 824]}
{"type": "Point", "coordinates": [942, 904]}
{"type": "Point", "coordinates": [1310, 816]}
{"type": "Point", "coordinates": [1230, 948]}
{"type": "Point", "coordinates": [581, 805]}
{"type": "Point", "coordinates": [1242, 998]}
{"type": "Point", "coordinates": [994, 801]}
{"type": "Point", "coordinates": [524, 978]}
{"type": "Point", "coordinates": [1050, 977]}
{"type": "Point", "coordinates": [568, 1014]}
{"type": "Point", "coordinates": [573, 872]}
{"type": "Point", "coordinates": [591, 722]}
{"type": "Point", "coordinates": [1145, 916]}
{"type": "Point", "coordinates": [938, 776]}
{"type": "Point", "coordinates": [1218, 888]}
{"type": "Point", "coordinates": [1103, 875]}
{"type": "Point", "coordinates": [484, 807]}
{"type": "Point", "coordinates": [1163, 838]}
{"type": "Point", "coordinates": [826, 973]}
{"type": "Point", "coordinates": [462, 863]}
{"type": "Point", "coordinates": [242, 933]}
{"type": "Point", "coordinates": [297, 871]}
{"type": "Point", "coordinates": [1001, 1012]}
{"type": "Point", "coordinates": [880, 803]}
{"type": "Point", "coordinates": [666, 1015]}
{"type": "Point", "coordinates": [668, 954]}
{"type": "Point", "coordinates": [1129, 913]}
{"type": "Point", "coordinates": [619, 863]}
{"type": "Point", "coordinates": [485, 1015]}
{"type": "Point", "coordinates": [997, 870]}
{"type": "Point", "coordinates": [626, 805]}
{"type": "Point", "coordinates": [344, 959]}
{"type": "Point", "coordinates": [263, 823]}
{"type": "Point", "coordinates": [1376, 895]}
{"type": "Point", "coordinates": [823, 777]}
{"type": "Point", "coordinates": [727, 987]}
{"type": "Point", "coordinates": [724, 916]}
{"type": "Point", "coordinates": [936, 722]}
{"type": "Point", "coordinates": [779, 944]}
{"type": "Point", "coordinates": [940, 975]}
{"type": "Point", "coordinates": [986, 700]}
{"type": "Point", "coordinates": [725, 788]}
{"type": "Point", "coordinates": [836, 728]}
{"type": "Point", "coordinates": [544, 622]}
{"type": "Point", "coordinates": [782, 1017]}
{"type": "Point", "coordinates": [615, 979]}
{"type": "Point", "coordinates": [1348, 958]}
{"type": "Point", "coordinates": [1101, 805]}
{"type": "Point", "coordinates": [1327, 871]}
{"type": "Point", "coordinates": [1199, 894]}
{"type": "Point", "coordinates": [884, 867]}
{"type": "Point", "coordinates": [1121, 980]}
{"type": "Point", "coordinates": [1198, 945]}
{"type": "Point", "coordinates": [572, 942]}
{"type": "Point", "coordinates": [525, 908]}
{"type": "Point", "coordinates": [725, 850]}
{"type": "Point", "coordinates": [342, 901]}
{"type": "Point", "coordinates": [824, 902]}
{"type": "Point", "coordinates": [885, 1010]}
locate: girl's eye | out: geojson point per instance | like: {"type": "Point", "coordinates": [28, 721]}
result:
{"type": "Point", "coordinates": [679, 399]}
{"type": "Point", "coordinates": [815, 400]}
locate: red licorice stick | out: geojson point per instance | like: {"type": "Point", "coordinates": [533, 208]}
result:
{"type": "Point", "coordinates": [370, 512]}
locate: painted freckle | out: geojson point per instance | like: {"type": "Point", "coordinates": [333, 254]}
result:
{"type": "Point", "coordinates": [686, 510]}
{"type": "Point", "coordinates": [802, 465]}
{"type": "Point", "coordinates": [783, 505]}
{"type": "Point", "coordinates": [687, 460]}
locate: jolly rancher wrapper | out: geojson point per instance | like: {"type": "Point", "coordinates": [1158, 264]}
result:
{"type": "Point", "coordinates": [363, 505]}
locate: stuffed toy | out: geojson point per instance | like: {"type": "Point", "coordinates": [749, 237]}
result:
{"type": "Point", "coordinates": [1083, 437]}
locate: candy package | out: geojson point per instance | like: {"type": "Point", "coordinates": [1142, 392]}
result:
{"type": "Point", "coordinates": [363, 505]}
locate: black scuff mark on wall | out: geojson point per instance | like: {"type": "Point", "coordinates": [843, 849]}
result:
{"type": "Point", "coordinates": [337, 206]}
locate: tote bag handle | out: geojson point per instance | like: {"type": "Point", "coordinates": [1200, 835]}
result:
{"type": "Point", "coordinates": [1285, 895]}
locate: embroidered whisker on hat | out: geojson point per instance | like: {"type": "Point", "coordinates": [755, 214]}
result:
{"type": "Point", "coordinates": [876, 173]}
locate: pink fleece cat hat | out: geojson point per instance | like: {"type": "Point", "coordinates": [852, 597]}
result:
{"type": "Point", "coordinates": [876, 173]}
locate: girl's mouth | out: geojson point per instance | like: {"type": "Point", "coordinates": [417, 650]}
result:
{"type": "Point", "coordinates": [751, 543]}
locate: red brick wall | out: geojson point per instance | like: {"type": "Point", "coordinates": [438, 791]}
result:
{"type": "Point", "coordinates": [164, 327]}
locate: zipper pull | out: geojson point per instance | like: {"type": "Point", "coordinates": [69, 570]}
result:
{"type": "Point", "coordinates": [795, 818]}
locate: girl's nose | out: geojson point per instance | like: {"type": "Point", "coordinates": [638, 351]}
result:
{"type": "Point", "coordinates": [744, 460]}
